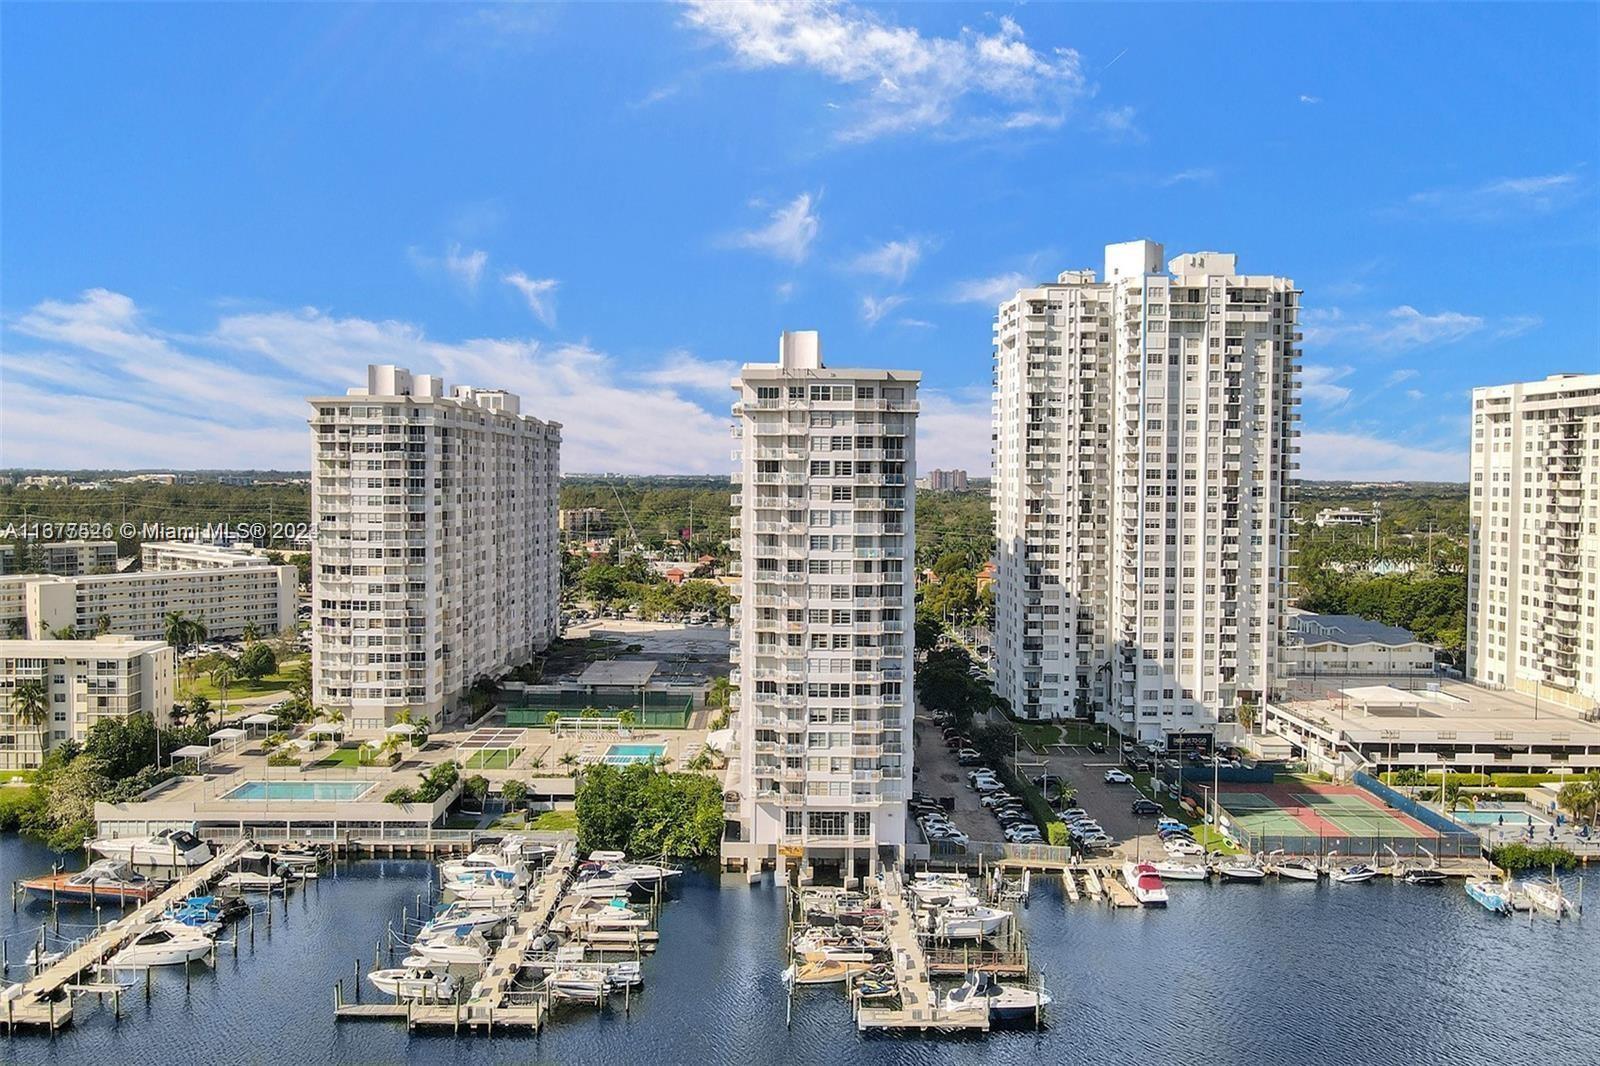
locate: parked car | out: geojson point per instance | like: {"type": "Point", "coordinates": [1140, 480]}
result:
{"type": "Point", "coordinates": [1024, 835]}
{"type": "Point", "coordinates": [1183, 846]}
{"type": "Point", "coordinates": [968, 757]}
{"type": "Point", "coordinates": [1144, 806]}
{"type": "Point", "coordinates": [996, 799]}
{"type": "Point", "coordinates": [1118, 777]}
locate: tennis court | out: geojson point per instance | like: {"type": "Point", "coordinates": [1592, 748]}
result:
{"type": "Point", "coordinates": [1298, 807]}
{"type": "Point", "coordinates": [1260, 814]}
{"type": "Point", "coordinates": [1359, 815]}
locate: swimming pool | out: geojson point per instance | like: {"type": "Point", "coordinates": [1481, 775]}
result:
{"type": "Point", "coordinates": [1513, 819]}
{"type": "Point", "coordinates": [628, 754]}
{"type": "Point", "coordinates": [299, 791]}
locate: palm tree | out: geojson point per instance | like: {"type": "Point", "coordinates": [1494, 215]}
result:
{"type": "Point", "coordinates": [224, 674]}
{"type": "Point", "coordinates": [30, 702]}
{"type": "Point", "coordinates": [569, 759]}
{"type": "Point", "coordinates": [183, 632]}
{"type": "Point", "coordinates": [64, 633]}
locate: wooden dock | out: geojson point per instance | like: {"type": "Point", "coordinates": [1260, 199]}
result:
{"type": "Point", "coordinates": [494, 1001]}
{"type": "Point", "coordinates": [45, 999]}
{"type": "Point", "coordinates": [919, 1009]}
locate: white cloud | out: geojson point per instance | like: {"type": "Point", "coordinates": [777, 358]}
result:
{"type": "Point", "coordinates": [538, 292]}
{"type": "Point", "coordinates": [953, 430]}
{"type": "Point", "coordinates": [1502, 197]}
{"type": "Point", "coordinates": [1398, 329]}
{"type": "Point", "coordinates": [789, 235]}
{"type": "Point", "coordinates": [904, 81]}
{"type": "Point", "coordinates": [1119, 123]}
{"type": "Point", "coordinates": [1320, 383]}
{"type": "Point", "coordinates": [466, 266]}
{"type": "Point", "coordinates": [1344, 456]}
{"type": "Point", "coordinates": [874, 307]}
{"type": "Point", "coordinates": [235, 394]}
{"type": "Point", "coordinates": [1414, 394]}
{"type": "Point", "coordinates": [1516, 326]}
{"type": "Point", "coordinates": [1305, 99]}
{"type": "Point", "coordinates": [684, 370]}
{"type": "Point", "coordinates": [1401, 375]}
{"type": "Point", "coordinates": [893, 260]}
{"type": "Point", "coordinates": [915, 323]}
{"type": "Point", "coordinates": [784, 290]}
{"type": "Point", "coordinates": [1192, 174]}
{"type": "Point", "coordinates": [990, 290]}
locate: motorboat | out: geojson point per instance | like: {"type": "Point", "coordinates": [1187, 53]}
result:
{"type": "Point", "coordinates": [938, 890]}
{"type": "Point", "coordinates": [1490, 894]}
{"type": "Point", "coordinates": [40, 957]}
{"type": "Point", "coordinates": [1145, 884]}
{"type": "Point", "coordinates": [818, 945]}
{"type": "Point", "coordinates": [1354, 875]}
{"type": "Point", "coordinates": [256, 871]}
{"type": "Point", "coordinates": [205, 913]}
{"type": "Point", "coordinates": [644, 874]}
{"type": "Point", "coordinates": [461, 913]}
{"type": "Point", "coordinates": [170, 847]}
{"type": "Point", "coordinates": [1546, 896]}
{"type": "Point", "coordinates": [162, 944]}
{"type": "Point", "coordinates": [299, 855]}
{"type": "Point", "coordinates": [968, 920]}
{"type": "Point", "coordinates": [462, 946]}
{"type": "Point", "coordinates": [1424, 876]}
{"type": "Point", "coordinates": [579, 982]}
{"type": "Point", "coordinates": [1243, 870]}
{"type": "Point", "coordinates": [103, 880]}
{"type": "Point", "coordinates": [1289, 869]}
{"type": "Point", "coordinates": [600, 881]}
{"type": "Point", "coordinates": [481, 894]}
{"type": "Point", "coordinates": [481, 866]}
{"type": "Point", "coordinates": [1172, 870]}
{"type": "Point", "coordinates": [828, 971]}
{"type": "Point", "coordinates": [610, 914]}
{"type": "Point", "coordinates": [420, 983]}
{"type": "Point", "coordinates": [1005, 1003]}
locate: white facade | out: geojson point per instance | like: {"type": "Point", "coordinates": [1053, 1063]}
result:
{"type": "Point", "coordinates": [1533, 585]}
{"type": "Point", "coordinates": [84, 681]}
{"type": "Point", "coordinates": [823, 627]}
{"type": "Point", "coordinates": [68, 558]}
{"type": "Point", "coordinates": [1144, 449]}
{"type": "Point", "coordinates": [1322, 645]}
{"type": "Point", "coordinates": [435, 559]}
{"type": "Point", "coordinates": [137, 603]}
{"type": "Point", "coordinates": [183, 555]}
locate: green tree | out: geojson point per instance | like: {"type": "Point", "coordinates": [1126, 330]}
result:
{"type": "Point", "coordinates": [30, 702]}
{"type": "Point", "coordinates": [198, 711]}
{"type": "Point", "coordinates": [66, 632]}
{"type": "Point", "coordinates": [223, 674]}
{"type": "Point", "coordinates": [514, 793]}
{"type": "Point", "coordinates": [257, 661]}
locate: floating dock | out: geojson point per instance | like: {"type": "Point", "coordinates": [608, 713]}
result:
{"type": "Point", "coordinates": [919, 1009]}
{"type": "Point", "coordinates": [46, 998]}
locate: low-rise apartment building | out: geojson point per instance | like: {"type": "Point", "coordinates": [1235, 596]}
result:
{"type": "Point", "coordinates": [65, 557]}
{"type": "Point", "coordinates": [228, 601]}
{"type": "Point", "coordinates": [183, 555]}
{"type": "Point", "coordinates": [83, 681]}
{"type": "Point", "coordinates": [1349, 644]}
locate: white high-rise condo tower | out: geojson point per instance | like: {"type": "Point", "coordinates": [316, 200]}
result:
{"type": "Point", "coordinates": [434, 559]}
{"type": "Point", "coordinates": [823, 626]}
{"type": "Point", "coordinates": [1144, 449]}
{"type": "Point", "coordinates": [1533, 581]}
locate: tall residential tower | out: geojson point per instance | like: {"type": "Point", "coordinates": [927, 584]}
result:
{"type": "Point", "coordinates": [1144, 449]}
{"type": "Point", "coordinates": [826, 507]}
{"type": "Point", "coordinates": [434, 560]}
{"type": "Point", "coordinates": [1534, 568]}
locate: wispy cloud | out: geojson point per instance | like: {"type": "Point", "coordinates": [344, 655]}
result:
{"type": "Point", "coordinates": [465, 265]}
{"type": "Point", "coordinates": [1306, 98]}
{"type": "Point", "coordinates": [684, 370]}
{"type": "Point", "coordinates": [1399, 329]}
{"type": "Point", "coordinates": [1502, 197]}
{"type": "Point", "coordinates": [1404, 374]}
{"type": "Point", "coordinates": [1192, 174]}
{"type": "Point", "coordinates": [893, 260]}
{"type": "Point", "coordinates": [916, 323]}
{"type": "Point", "coordinates": [991, 290]}
{"type": "Point", "coordinates": [953, 429]}
{"type": "Point", "coordinates": [1320, 383]}
{"type": "Point", "coordinates": [1349, 456]}
{"type": "Point", "coordinates": [1119, 123]}
{"type": "Point", "coordinates": [538, 292]}
{"type": "Point", "coordinates": [902, 80]}
{"type": "Point", "coordinates": [875, 307]}
{"type": "Point", "coordinates": [788, 235]}
{"type": "Point", "coordinates": [238, 388]}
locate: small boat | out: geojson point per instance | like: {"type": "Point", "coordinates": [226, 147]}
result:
{"type": "Point", "coordinates": [462, 946]}
{"type": "Point", "coordinates": [1005, 1003]}
{"type": "Point", "coordinates": [170, 847]}
{"type": "Point", "coordinates": [611, 914]}
{"type": "Point", "coordinates": [1145, 884]}
{"type": "Point", "coordinates": [599, 881]}
{"type": "Point", "coordinates": [1172, 870]}
{"type": "Point", "coordinates": [461, 913]}
{"type": "Point", "coordinates": [1424, 876]}
{"type": "Point", "coordinates": [419, 983]}
{"type": "Point", "coordinates": [205, 913]}
{"type": "Point", "coordinates": [163, 944]}
{"type": "Point", "coordinates": [644, 874]}
{"type": "Point", "coordinates": [1242, 870]}
{"type": "Point", "coordinates": [1295, 870]}
{"type": "Point", "coordinates": [481, 867]}
{"type": "Point", "coordinates": [105, 880]}
{"type": "Point", "coordinates": [587, 981]}
{"type": "Point", "coordinates": [1354, 875]}
{"type": "Point", "coordinates": [256, 871]}
{"type": "Point", "coordinates": [300, 855]}
{"type": "Point", "coordinates": [969, 920]}
{"type": "Point", "coordinates": [1491, 895]}
{"type": "Point", "coordinates": [40, 957]}
{"type": "Point", "coordinates": [1546, 896]}
{"type": "Point", "coordinates": [486, 893]}
{"type": "Point", "coordinates": [825, 972]}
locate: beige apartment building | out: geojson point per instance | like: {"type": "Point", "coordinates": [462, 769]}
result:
{"type": "Point", "coordinates": [1533, 584]}
{"type": "Point", "coordinates": [65, 557]}
{"type": "Point", "coordinates": [84, 681]}
{"type": "Point", "coordinates": [435, 557]}
{"type": "Point", "coordinates": [229, 602]}
{"type": "Point", "coordinates": [1145, 444]}
{"type": "Point", "coordinates": [823, 628]}
{"type": "Point", "coordinates": [184, 555]}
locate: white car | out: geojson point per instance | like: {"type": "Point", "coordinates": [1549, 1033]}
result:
{"type": "Point", "coordinates": [987, 784]}
{"type": "Point", "coordinates": [1183, 846]}
{"type": "Point", "coordinates": [1118, 777]}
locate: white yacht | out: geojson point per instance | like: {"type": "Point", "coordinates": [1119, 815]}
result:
{"type": "Point", "coordinates": [1004, 1002]}
{"type": "Point", "coordinates": [644, 874]}
{"type": "Point", "coordinates": [255, 871]}
{"type": "Point", "coordinates": [483, 866]}
{"type": "Point", "coordinates": [460, 946]}
{"type": "Point", "coordinates": [1547, 896]}
{"type": "Point", "coordinates": [968, 919]}
{"type": "Point", "coordinates": [461, 913]}
{"type": "Point", "coordinates": [163, 944]}
{"type": "Point", "coordinates": [414, 982]}
{"type": "Point", "coordinates": [600, 882]}
{"type": "Point", "coordinates": [1241, 869]}
{"type": "Point", "coordinates": [1145, 883]}
{"type": "Point", "coordinates": [1354, 875]}
{"type": "Point", "coordinates": [1173, 870]}
{"type": "Point", "coordinates": [170, 847]}
{"type": "Point", "coordinates": [1293, 869]}
{"type": "Point", "coordinates": [593, 913]}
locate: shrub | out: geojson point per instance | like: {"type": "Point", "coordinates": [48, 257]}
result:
{"type": "Point", "coordinates": [1516, 857]}
{"type": "Point", "coordinates": [513, 792]}
{"type": "Point", "coordinates": [1057, 834]}
{"type": "Point", "coordinates": [1529, 780]}
{"type": "Point", "coordinates": [401, 795]}
{"type": "Point", "coordinates": [283, 757]}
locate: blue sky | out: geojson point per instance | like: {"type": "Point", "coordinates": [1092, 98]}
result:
{"type": "Point", "coordinates": [209, 213]}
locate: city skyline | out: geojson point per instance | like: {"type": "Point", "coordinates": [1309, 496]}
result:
{"type": "Point", "coordinates": [614, 245]}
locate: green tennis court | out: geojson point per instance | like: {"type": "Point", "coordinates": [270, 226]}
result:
{"type": "Point", "coordinates": [1260, 814]}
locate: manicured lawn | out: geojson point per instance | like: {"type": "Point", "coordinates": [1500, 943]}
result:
{"type": "Point", "coordinates": [1039, 735]}
{"type": "Point", "coordinates": [241, 688]}
{"type": "Point", "coordinates": [1212, 840]}
{"type": "Point", "coordinates": [346, 755]}
{"type": "Point", "coordinates": [555, 821]}
{"type": "Point", "coordinates": [15, 775]}
{"type": "Point", "coordinates": [491, 760]}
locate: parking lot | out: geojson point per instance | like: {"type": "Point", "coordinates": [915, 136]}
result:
{"type": "Point", "coordinates": [938, 775]}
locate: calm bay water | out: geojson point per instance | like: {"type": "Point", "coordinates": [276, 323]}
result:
{"type": "Point", "coordinates": [1228, 974]}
